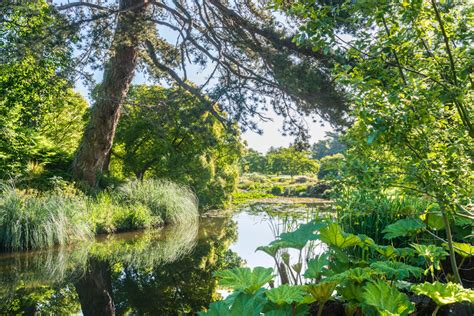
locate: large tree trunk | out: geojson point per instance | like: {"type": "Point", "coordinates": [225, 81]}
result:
{"type": "Point", "coordinates": [118, 74]}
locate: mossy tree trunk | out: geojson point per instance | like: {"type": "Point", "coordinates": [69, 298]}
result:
{"type": "Point", "coordinates": [92, 154]}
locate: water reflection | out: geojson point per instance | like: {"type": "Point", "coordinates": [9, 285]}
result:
{"type": "Point", "coordinates": [164, 272]}
{"type": "Point", "coordinates": [156, 272]}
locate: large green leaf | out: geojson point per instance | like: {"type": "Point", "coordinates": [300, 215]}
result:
{"type": "Point", "coordinates": [317, 266]}
{"type": "Point", "coordinates": [247, 305]}
{"type": "Point", "coordinates": [271, 250]}
{"type": "Point", "coordinates": [386, 299]}
{"type": "Point", "coordinates": [404, 227]}
{"type": "Point", "coordinates": [286, 294]}
{"type": "Point", "coordinates": [245, 279]}
{"type": "Point", "coordinates": [397, 270]}
{"type": "Point", "coordinates": [463, 249]}
{"type": "Point", "coordinates": [333, 235]}
{"type": "Point", "coordinates": [392, 252]}
{"type": "Point", "coordinates": [322, 291]}
{"type": "Point", "coordinates": [355, 275]}
{"type": "Point", "coordinates": [298, 238]}
{"type": "Point", "coordinates": [444, 293]}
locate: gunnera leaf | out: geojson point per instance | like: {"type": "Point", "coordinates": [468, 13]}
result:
{"type": "Point", "coordinates": [386, 299]}
{"type": "Point", "coordinates": [270, 250]}
{"type": "Point", "coordinates": [322, 291]}
{"type": "Point", "coordinates": [444, 293]}
{"type": "Point", "coordinates": [397, 270]}
{"type": "Point", "coordinates": [245, 279]}
{"type": "Point", "coordinates": [355, 275]}
{"type": "Point", "coordinates": [403, 227]}
{"type": "Point", "coordinates": [298, 238]}
{"type": "Point", "coordinates": [317, 266]}
{"type": "Point", "coordinates": [286, 294]}
{"type": "Point", "coordinates": [333, 235]}
{"type": "Point", "coordinates": [247, 305]}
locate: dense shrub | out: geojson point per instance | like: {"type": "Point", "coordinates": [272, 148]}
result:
{"type": "Point", "coordinates": [176, 137]}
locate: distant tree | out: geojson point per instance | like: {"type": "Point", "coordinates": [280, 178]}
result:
{"type": "Point", "coordinates": [331, 167]}
{"type": "Point", "coordinates": [291, 162]}
{"type": "Point", "coordinates": [329, 146]}
{"type": "Point", "coordinates": [253, 161]}
{"type": "Point", "coordinates": [169, 133]}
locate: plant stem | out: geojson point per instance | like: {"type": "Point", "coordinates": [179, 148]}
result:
{"type": "Point", "coordinates": [320, 309]}
{"type": "Point", "coordinates": [449, 237]}
{"type": "Point", "coordinates": [436, 310]}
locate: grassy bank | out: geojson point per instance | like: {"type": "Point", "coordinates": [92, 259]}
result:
{"type": "Point", "coordinates": [257, 186]}
{"type": "Point", "coordinates": [31, 220]}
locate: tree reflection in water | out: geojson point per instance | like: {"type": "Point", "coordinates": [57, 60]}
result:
{"type": "Point", "coordinates": [163, 272]}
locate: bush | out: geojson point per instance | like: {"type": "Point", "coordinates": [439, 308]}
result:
{"type": "Point", "coordinates": [108, 215]}
{"type": "Point", "coordinates": [32, 222]}
{"type": "Point", "coordinates": [172, 202]}
{"type": "Point", "coordinates": [277, 190]}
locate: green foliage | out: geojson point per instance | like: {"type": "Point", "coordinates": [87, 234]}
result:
{"type": "Point", "coordinates": [386, 299]}
{"type": "Point", "coordinates": [172, 202]}
{"type": "Point", "coordinates": [245, 279]}
{"type": "Point", "coordinates": [463, 249]}
{"type": "Point", "coordinates": [395, 270]}
{"type": "Point", "coordinates": [363, 212]}
{"type": "Point", "coordinates": [41, 118]}
{"type": "Point", "coordinates": [286, 294]}
{"type": "Point", "coordinates": [40, 220]}
{"type": "Point", "coordinates": [444, 293]}
{"type": "Point", "coordinates": [335, 237]}
{"type": "Point", "coordinates": [317, 266]}
{"type": "Point", "coordinates": [322, 291]}
{"type": "Point", "coordinates": [331, 167]}
{"type": "Point", "coordinates": [297, 239]}
{"type": "Point", "coordinates": [291, 162]}
{"type": "Point", "coordinates": [404, 227]}
{"type": "Point", "coordinates": [32, 222]}
{"type": "Point", "coordinates": [253, 161]}
{"type": "Point", "coordinates": [168, 133]}
{"type": "Point", "coordinates": [331, 146]}
{"type": "Point", "coordinates": [410, 83]}
{"type": "Point", "coordinates": [432, 253]}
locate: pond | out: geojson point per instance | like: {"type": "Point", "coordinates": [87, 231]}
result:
{"type": "Point", "coordinates": [156, 272]}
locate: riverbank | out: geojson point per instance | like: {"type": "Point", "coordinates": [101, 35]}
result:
{"type": "Point", "coordinates": [35, 220]}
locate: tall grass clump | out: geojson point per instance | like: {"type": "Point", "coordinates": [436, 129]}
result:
{"type": "Point", "coordinates": [39, 221]}
{"type": "Point", "coordinates": [173, 202]}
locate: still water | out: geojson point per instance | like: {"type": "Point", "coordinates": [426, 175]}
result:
{"type": "Point", "coordinates": [156, 272]}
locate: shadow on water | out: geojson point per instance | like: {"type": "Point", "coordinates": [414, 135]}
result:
{"type": "Point", "coordinates": [155, 272]}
